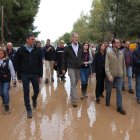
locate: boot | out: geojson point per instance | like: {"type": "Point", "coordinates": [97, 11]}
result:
{"type": "Point", "coordinates": [6, 109]}
{"type": "Point", "coordinates": [86, 85]}
{"type": "Point", "coordinates": [83, 91]}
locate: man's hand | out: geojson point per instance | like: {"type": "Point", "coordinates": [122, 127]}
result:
{"type": "Point", "coordinates": [19, 81]}
{"type": "Point", "coordinates": [39, 80]}
{"type": "Point", "coordinates": [85, 63]}
{"type": "Point", "coordinates": [63, 71]}
{"type": "Point", "coordinates": [48, 49]}
{"type": "Point", "coordinates": [110, 79]}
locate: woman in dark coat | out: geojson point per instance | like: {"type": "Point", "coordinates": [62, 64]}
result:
{"type": "Point", "coordinates": [99, 71]}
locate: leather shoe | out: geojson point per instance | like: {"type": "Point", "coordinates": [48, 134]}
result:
{"type": "Point", "coordinates": [123, 88]}
{"type": "Point", "coordinates": [131, 91]}
{"type": "Point", "coordinates": [97, 101]}
{"type": "Point", "coordinates": [107, 104]}
{"type": "Point", "coordinates": [34, 103]}
{"type": "Point", "coordinates": [138, 101]}
{"type": "Point", "coordinates": [121, 111]}
{"type": "Point", "coordinates": [74, 104]}
{"type": "Point", "coordinates": [29, 114]}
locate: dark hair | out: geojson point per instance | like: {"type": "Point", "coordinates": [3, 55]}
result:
{"type": "Point", "coordinates": [48, 40]}
{"type": "Point", "coordinates": [105, 41]}
{"type": "Point", "coordinates": [114, 40]}
{"type": "Point", "coordinates": [86, 43]}
{"type": "Point", "coordinates": [38, 42]}
{"type": "Point", "coordinates": [100, 46]}
{"type": "Point", "coordinates": [28, 35]}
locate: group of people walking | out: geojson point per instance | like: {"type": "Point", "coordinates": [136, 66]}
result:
{"type": "Point", "coordinates": [109, 65]}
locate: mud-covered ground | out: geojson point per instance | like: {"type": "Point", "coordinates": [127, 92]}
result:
{"type": "Point", "coordinates": [56, 119]}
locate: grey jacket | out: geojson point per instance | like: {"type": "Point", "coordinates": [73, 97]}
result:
{"type": "Point", "coordinates": [115, 65]}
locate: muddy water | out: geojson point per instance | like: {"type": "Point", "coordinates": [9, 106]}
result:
{"type": "Point", "coordinates": [56, 119]}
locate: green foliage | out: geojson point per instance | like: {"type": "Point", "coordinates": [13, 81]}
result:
{"type": "Point", "coordinates": [82, 28]}
{"type": "Point", "coordinates": [18, 19]}
{"type": "Point", "coordinates": [65, 37]}
{"type": "Point", "coordinates": [108, 19]}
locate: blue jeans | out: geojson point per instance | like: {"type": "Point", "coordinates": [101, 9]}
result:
{"type": "Point", "coordinates": [4, 92]}
{"type": "Point", "coordinates": [26, 79]}
{"type": "Point", "coordinates": [109, 86]}
{"type": "Point", "coordinates": [138, 87]}
{"type": "Point", "coordinates": [84, 74]}
{"type": "Point", "coordinates": [129, 75]}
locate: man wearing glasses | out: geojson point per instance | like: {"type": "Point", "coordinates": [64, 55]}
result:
{"type": "Point", "coordinates": [115, 71]}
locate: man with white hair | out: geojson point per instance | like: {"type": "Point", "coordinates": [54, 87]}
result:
{"type": "Point", "coordinates": [11, 55]}
{"type": "Point", "coordinates": [73, 60]}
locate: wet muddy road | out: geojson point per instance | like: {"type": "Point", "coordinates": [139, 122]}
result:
{"type": "Point", "coordinates": [56, 119]}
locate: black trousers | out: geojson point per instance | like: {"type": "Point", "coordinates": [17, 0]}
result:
{"type": "Point", "coordinates": [100, 78]}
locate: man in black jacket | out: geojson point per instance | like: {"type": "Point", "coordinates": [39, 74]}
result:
{"type": "Point", "coordinates": [29, 69]}
{"type": "Point", "coordinates": [49, 54]}
{"type": "Point", "coordinates": [73, 60]}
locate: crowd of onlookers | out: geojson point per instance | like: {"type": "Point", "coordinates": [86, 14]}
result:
{"type": "Point", "coordinates": [109, 61]}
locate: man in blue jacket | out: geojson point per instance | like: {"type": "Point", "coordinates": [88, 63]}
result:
{"type": "Point", "coordinates": [128, 63]}
{"type": "Point", "coordinates": [29, 69]}
{"type": "Point", "coordinates": [136, 66]}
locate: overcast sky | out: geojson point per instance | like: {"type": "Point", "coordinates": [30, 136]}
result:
{"type": "Point", "coordinates": [55, 17]}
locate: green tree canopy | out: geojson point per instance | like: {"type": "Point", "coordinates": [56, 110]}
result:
{"type": "Point", "coordinates": [18, 19]}
{"type": "Point", "coordinates": [108, 19]}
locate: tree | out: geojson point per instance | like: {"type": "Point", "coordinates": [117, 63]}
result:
{"type": "Point", "coordinates": [82, 28]}
{"type": "Point", "coordinates": [109, 19]}
{"type": "Point", "coordinates": [123, 17]}
{"type": "Point", "coordinates": [18, 18]}
{"type": "Point", "coordinates": [65, 37]}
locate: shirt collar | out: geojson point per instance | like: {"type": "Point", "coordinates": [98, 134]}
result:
{"type": "Point", "coordinates": [74, 45]}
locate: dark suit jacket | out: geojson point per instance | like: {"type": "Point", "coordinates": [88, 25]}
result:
{"type": "Point", "coordinates": [70, 60]}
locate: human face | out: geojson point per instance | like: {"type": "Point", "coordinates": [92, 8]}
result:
{"type": "Point", "coordinates": [103, 47]}
{"type": "Point", "coordinates": [75, 38]}
{"type": "Point", "coordinates": [117, 43]}
{"type": "Point", "coordinates": [106, 44]}
{"type": "Point", "coordinates": [30, 41]}
{"type": "Point", "coordinates": [61, 44]}
{"type": "Point", "coordinates": [127, 44]}
{"type": "Point", "coordinates": [38, 44]}
{"type": "Point", "coordinates": [1, 54]}
{"type": "Point", "coordinates": [48, 42]}
{"type": "Point", "coordinates": [86, 46]}
{"type": "Point", "coordinates": [9, 46]}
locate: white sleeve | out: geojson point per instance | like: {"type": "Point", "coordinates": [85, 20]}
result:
{"type": "Point", "coordinates": [12, 71]}
{"type": "Point", "coordinates": [90, 57]}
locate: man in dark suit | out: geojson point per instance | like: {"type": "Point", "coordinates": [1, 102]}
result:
{"type": "Point", "coordinates": [73, 60]}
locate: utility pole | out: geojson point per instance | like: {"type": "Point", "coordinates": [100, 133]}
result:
{"type": "Point", "coordinates": [2, 26]}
